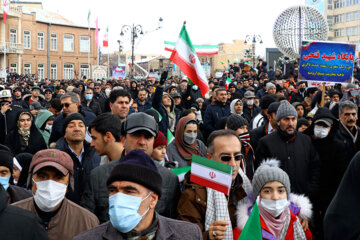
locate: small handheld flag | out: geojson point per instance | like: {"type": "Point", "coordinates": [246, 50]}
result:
{"type": "Point", "coordinates": [252, 229]}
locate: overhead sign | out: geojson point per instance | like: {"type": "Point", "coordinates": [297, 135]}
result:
{"type": "Point", "coordinates": [326, 62]}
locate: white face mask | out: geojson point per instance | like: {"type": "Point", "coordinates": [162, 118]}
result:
{"type": "Point", "coordinates": [320, 132]}
{"type": "Point", "coordinates": [190, 138]}
{"type": "Point", "coordinates": [49, 194]}
{"type": "Point", "coordinates": [274, 207]}
{"type": "Point", "coordinates": [250, 102]}
{"type": "Point", "coordinates": [48, 127]}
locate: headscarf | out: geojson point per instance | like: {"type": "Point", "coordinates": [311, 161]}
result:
{"type": "Point", "coordinates": [232, 106]}
{"type": "Point", "coordinates": [186, 151]}
{"type": "Point", "coordinates": [24, 133]}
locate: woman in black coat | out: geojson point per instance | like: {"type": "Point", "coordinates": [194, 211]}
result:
{"type": "Point", "coordinates": [25, 137]}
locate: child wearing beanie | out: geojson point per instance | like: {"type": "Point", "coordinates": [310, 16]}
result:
{"type": "Point", "coordinates": [283, 215]}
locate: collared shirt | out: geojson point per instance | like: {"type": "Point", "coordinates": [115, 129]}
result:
{"type": "Point", "coordinates": [270, 129]}
{"type": "Point", "coordinates": [79, 157]}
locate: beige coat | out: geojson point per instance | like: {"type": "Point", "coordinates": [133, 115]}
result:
{"type": "Point", "coordinates": [68, 222]}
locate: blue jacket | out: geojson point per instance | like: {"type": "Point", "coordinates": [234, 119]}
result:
{"type": "Point", "coordinates": [143, 108]}
{"type": "Point", "coordinates": [57, 128]}
{"type": "Point", "coordinates": [90, 160]}
{"type": "Point", "coordinates": [213, 114]}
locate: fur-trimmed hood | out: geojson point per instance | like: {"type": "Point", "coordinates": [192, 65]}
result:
{"type": "Point", "coordinates": [27, 96]}
{"type": "Point", "coordinates": [300, 202]}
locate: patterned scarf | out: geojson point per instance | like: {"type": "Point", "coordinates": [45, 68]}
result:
{"type": "Point", "coordinates": [245, 141]}
{"type": "Point", "coordinates": [24, 133]}
{"type": "Point", "coordinates": [186, 151]}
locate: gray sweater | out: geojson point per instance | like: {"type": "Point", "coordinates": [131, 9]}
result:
{"type": "Point", "coordinates": [174, 155]}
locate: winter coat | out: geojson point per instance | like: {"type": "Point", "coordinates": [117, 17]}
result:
{"type": "Point", "coordinates": [96, 195]}
{"type": "Point", "coordinates": [16, 193]}
{"type": "Point", "coordinates": [90, 160]}
{"type": "Point", "coordinates": [57, 128]}
{"type": "Point", "coordinates": [167, 228]}
{"type": "Point", "coordinates": [8, 122]}
{"type": "Point", "coordinates": [69, 221]}
{"type": "Point", "coordinates": [143, 107]}
{"type": "Point", "coordinates": [93, 107]}
{"type": "Point", "coordinates": [26, 98]}
{"type": "Point", "coordinates": [193, 201]}
{"type": "Point", "coordinates": [257, 133]}
{"type": "Point", "coordinates": [298, 159]}
{"type": "Point", "coordinates": [17, 223]}
{"type": "Point", "coordinates": [40, 120]}
{"type": "Point", "coordinates": [300, 207]}
{"type": "Point", "coordinates": [174, 155]}
{"type": "Point", "coordinates": [213, 114]}
{"type": "Point", "coordinates": [250, 114]}
{"type": "Point", "coordinates": [101, 99]}
{"type": "Point", "coordinates": [17, 145]}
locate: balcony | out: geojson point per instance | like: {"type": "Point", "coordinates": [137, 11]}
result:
{"type": "Point", "coordinates": [11, 47]}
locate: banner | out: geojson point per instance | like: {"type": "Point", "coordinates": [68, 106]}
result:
{"type": "Point", "coordinates": [99, 72]}
{"type": "Point", "coordinates": [326, 62]}
{"type": "Point", "coordinates": [119, 72]}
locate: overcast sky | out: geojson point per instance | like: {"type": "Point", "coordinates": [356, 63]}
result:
{"type": "Point", "coordinates": [208, 22]}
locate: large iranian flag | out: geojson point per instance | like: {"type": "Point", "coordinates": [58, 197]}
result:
{"type": "Point", "coordinates": [212, 174]}
{"type": "Point", "coordinates": [184, 56]}
{"type": "Point", "coordinates": [6, 7]}
{"type": "Point", "coordinates": [200, 49]}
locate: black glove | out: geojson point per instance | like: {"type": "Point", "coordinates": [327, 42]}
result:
{"type": "Point", "coordinates": [163, 77]}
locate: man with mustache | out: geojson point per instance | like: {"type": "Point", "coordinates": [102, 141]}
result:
{"type": "Point", "coordinates": [294, 150]}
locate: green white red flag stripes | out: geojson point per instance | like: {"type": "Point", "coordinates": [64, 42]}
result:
{"type": "Point", "coordinates": [199, 49]}
{"type": "Point", "coordinates": [180, 172]}
{"type": "Point", "coordinates": [106, 38]}
{"type": "Point", "coordinates": [184, 56]}
{"type": "Point", "coordinates": [169, 137]}
{"type": "Point", "coordinates": [6, 8]}
{"type": "Point", "coordinates": [252, 229]}
{"type": "Point", "coordinates": [227, 83]}
{"type": "Point", "coordinates": [212, 174]}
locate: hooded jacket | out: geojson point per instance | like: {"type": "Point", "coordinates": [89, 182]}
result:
{"type": "Point", "coordinates": [40, 120]}
{"type": "Point", "coordinates": [26, 103]}
{"type": "Point", "coordinates": [16, 222]}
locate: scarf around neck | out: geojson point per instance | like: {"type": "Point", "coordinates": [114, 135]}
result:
{"type": "Point", "coordinates": [275, 225]}
{"type": "Point", "coordinates": [24, 133]}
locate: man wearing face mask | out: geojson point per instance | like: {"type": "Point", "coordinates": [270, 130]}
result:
{"type": "Point", "coordinates": [250, 109]}
{"type": "Point", "coordinates": [295, 151]}
{"type": "Point", "coordinates": [135, 186]}
{"type": "Point", "coordinates": [50, 176]}
{"type": "Point", "coordinates": [91, 104]}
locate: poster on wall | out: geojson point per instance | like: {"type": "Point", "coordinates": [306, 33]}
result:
{"type": "Point", "coordinates": [326, 62]}
{"type": "Point", "coordinates": [99, 72]}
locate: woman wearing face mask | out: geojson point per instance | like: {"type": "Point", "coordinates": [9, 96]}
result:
{"type": "Point", "coordinates": [283, 215]}
{"type": "Point", "coordinates": [44, 122]}
{"type": "Point", "coordinates": [25, 137]}
{"type": "Point", "coordinates": [185, 143]}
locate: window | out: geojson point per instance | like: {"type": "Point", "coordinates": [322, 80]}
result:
{"type": "Point", "coordinates": [342, 17]}
{"type": "Point", "coordinates": [27, 68]}
{"type": "Point", "coordinates": [13, 67]}
{"type": "Point", "coordinates": [355, 31]}
{"type": "Point", "coordinates": [53, 42]}
{"type": "Point", "coordinates": [41, 41]}
{"type": "Point", "coordinates": [68, 43]}
{"type": "Point", "coordinates": [84, 44]}
{"type": "Point", "coordinates": [342, 3]}
{"type": "Point", "coordinates": [330, 3]}
{"type": "Point", "coordinates": [337, 33]}
{"type": "Point", "coordinates": [53, 71]}
{"type": "Point", "coordinates": [330, 20]}
{"type": "Point", "coordinates": [13, 37]}
{"type": "Point", "coordinates": [355, 2]}
{"type": "Point", "coordinates": [356, 15]}
{"type": "Point", "coordinates": [349, 2]}
{"type": "Point", "coordinates": [342, 32]}
{"type": "Point", "coordinates": [68, 71]}
{"type": "Point", "coordinates": [348, 31]}
{"type": "Point", "coordinates": [336, 4]}
{"type": "Point", "coordinates": [349, 16]}
{"type": "Point", "coordinates": [40, 71]}
{"type": "Point", "coordinates": [84, 70]}
{"type": "Point", "coordinates": [27, 39]}
{"type": "Point", "coordinates": [336, 18]}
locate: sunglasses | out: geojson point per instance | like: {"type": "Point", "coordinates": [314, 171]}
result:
{"type": "Point", "coordinates": [227, 158]}
{"type": "Point", "coordinates": [65, 105]}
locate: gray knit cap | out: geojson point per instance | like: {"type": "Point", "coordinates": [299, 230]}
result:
{"type": "Point", "coordinates": [285, 109]}
{"type": "Point", "coordinates": [269, 171]}
{"type": "Point", "coordinates": [270, 85]}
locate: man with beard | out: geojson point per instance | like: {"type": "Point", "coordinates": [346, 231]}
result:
{"type": "Point", "coordinates": [295, 151]}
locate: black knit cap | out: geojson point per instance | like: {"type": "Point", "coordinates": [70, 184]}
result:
{"type": "Point", "coordinates": [266, 101]}
{"type": "Point", "coordinates": [70, 117]}
{"type": "Point", "coordinates": [137, 167]}
{"type": "Point", "coordinates": [6, 157]}
{"type": "Point", "coordinates": [235, 122]}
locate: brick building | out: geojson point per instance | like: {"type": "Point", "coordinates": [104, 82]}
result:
{"type": "Point", "coordinates": [45, 44]}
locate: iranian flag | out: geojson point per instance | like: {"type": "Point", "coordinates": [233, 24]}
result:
{"type": "Point", "coordinates": [180, 172]}
{"type": "Point", "coordinates": [6, 8]}
{"type": "Point", "coordinates": [199, 49]}
{"type": "Point", "coordinates": [169, 137]}
{"type": "Point", "coordinates": [227, 83]}
{"type": "Point", "coordinates": [184, 56]}
{"type": "Point", "coordinates": [252, 229]}
{"type": "Point", "coordinates": [97, 32]}
{"type": "Point", "coordinates": [212, 174]}
{"type": "Point", "coordinates": [106, 38]}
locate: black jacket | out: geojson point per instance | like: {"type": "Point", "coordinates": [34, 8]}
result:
{"type": "Point", "coordinates": [16, 193]}
{"type": "Point", "coordinates": [213, 114]}
{"type": "Point", "coordinates": [298, 159]}
{"type": "Point", "coordinates": [8, 122]}
{"type": "Point", "coordinates": [93, 107]}
{"type": "Point", "coordinates": [17, 223]}
{"type": "Point", "coordinates": [256, 134]}
{"type": "Point", "coordinates": [90, 160]}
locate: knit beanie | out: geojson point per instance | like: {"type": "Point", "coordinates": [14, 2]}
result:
{"type": "Point", "coordinates": [285, 109]}
{"type": "Point", "coordinates": [6, 157]}
{"type": "Point", "coordinates": [137, 167]}
{"type": "Point", "coordinates": [160, 140]}
{"type": "Point", "coordinates": [269, 171]}
{"type": "Point", "coordinates": [235, 122]}
{"type": "Point", "coordinates": [70, 117]}
{"type": "Point", "coordinates": [270, 85]}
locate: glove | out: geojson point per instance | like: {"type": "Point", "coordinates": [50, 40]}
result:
{"type": "Point", "coordinates": [163, 77]}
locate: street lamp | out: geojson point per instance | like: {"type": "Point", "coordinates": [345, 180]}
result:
{"type": "Point", "coordinates": [135, 31]}
{"type": "Point", "coordinates": [255, 39]}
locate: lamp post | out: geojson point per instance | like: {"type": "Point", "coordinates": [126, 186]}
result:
{"type": "Point", "coordinates": [254, 39]}
{"type": "Point", "coordinates": [135, 31]}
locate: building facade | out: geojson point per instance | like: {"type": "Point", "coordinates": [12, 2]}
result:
{"type": "Point", "coordinates": [45, 45]}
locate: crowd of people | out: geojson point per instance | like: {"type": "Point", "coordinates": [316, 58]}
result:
{"type": "Point", "coordinates": [96, 159]}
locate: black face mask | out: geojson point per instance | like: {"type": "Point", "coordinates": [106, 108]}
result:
{"type": "Point", "coordinates": [302, 89]}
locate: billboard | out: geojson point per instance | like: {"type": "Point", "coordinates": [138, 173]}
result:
{"type": "Point", "coordinates": [119, 72]}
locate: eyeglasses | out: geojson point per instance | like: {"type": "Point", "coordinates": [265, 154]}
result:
{"type": "Point", "coordinates": [227, 158]}
{"type": "Point", "coordinates": [65, 105]}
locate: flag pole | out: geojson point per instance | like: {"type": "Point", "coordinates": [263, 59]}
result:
{"type": "Point", "coordinates": [4, 71]}
{"type": "Point", "coordinates": [167, 68]}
